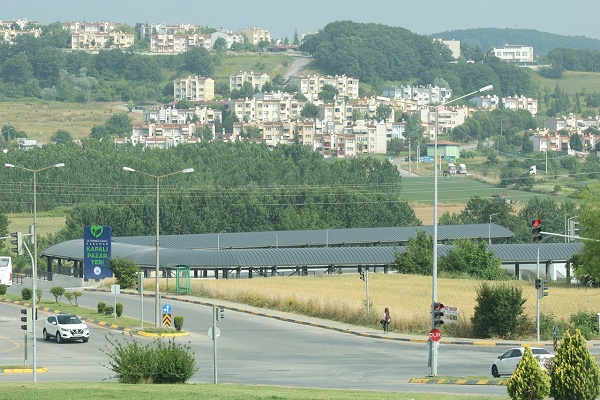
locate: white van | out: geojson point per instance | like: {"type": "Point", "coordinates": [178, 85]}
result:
{"type": "Point", "coordinates": [6, 277]}
{"type": "Point", "coordinates": [462, 169]}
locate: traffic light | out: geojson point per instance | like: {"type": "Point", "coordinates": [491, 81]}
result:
{"type": "Point", "coordinates": [536, 230]}
{"type": "Point", "coordinates": [438, 314]}
{"type": "Point", "coordinates": [362, 274]}
{"type": "Point", "coordinates": [542, 289]}
{"type": "Point", "coordinates": [538, 283]}
{"type": "Point", "coordinates": [28, 319]}
{"type": "Point", "coordinates": [18, 242]}
{"type": "Point", "coordinates": [220, 313]}
{"type": "Point", "coordinates": [140, 282]}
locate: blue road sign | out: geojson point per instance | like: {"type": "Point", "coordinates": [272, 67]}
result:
{"type": "Point", "coordinates": [166, 309]}
{"type": "Point", "coordinates": [555, 331]}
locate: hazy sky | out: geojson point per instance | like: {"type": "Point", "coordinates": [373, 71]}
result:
{"type": "Point", "coordinates": [282, 18]}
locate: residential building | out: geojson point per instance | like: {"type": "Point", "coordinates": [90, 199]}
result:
{"type": "Point", "coordinates": [346, 86]}
{"type": "Point", "coordinates": [514, 53]}
{"type": "Point", "coordinates": [194, 88]}
{"type": "Point", "coordinates": [178, 42]}
{"type": "Point", "coordinates": [230, 37]}
{"type": "Point", "coordinates": [236, 81]}
{"type": "Point", "coordinates": [521, 103]}
{"type": "Point", "coordinates": [10, 30]}
{"type": "Point", "coordinates": [172, 115]}
{"type": "Point", "coordinates": [255, 35]}
{"type": "Point", "coordinates": [101, 40]}
{"type": "Point", "coordinates": [453, 45]}
{"type": "Point", "coordinates": [90, 27]}
{"type": "Point", "coordinates": [423, 95]}
{"type": "Point", "coordinates": [306, 131]}
{"type": "Point", "coordinates": [261, 109]}
{"type": "Point", "coordinates": [489, 101]}
{"type": "Point", "coordinates": [370, 137]}
{"type": "Point", "coordinates": [563, 123]}
{"type": "Point", "coordinates": [449, 118]}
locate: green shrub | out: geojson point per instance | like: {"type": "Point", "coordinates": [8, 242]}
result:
{"type": "Point", "coordinates": [3, 288]}
{"type": "Point", "coordinates": [587, 323]}
{"type": "Point", "coordinates": [124, 271]}
{"type": "Point", "coordinates": [530, 381]}
{"type": "Point", "coordinates": [38, 295]}
{"type": "Point", "coordinates": [26, 294]}
{"type": "Point", "coordinates": [101, 307]}
{"type": "Point", "coordinates": [109, 310]}
{"type": "Point", "coordinates": [575, 373]}
{"type": "Point", "coordinates": [57, 292]}
{"type": "Point", "coordinates": [155, 362]}
{"type": "Point", "coordinates": [178, 322]}
{"type": "Point", "coordinates": [72, 297]}
{"type": "Point", "coordinates": [499, 312]}
{"type": "Point", "coordinates": [119, 310]}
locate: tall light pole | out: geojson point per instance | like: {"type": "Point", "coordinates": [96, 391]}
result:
{"type": "Point", "coordinates": [35, 257]}
{"type": "Point", "coordinates": [433, 345]}
{"type": "Point", "coordinates": [490, 228]}
{"type": "Point", "coordinates": [157, 321]}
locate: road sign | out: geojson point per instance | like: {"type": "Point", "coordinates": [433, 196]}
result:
{"type": "Point", "coordinates": [166, 309]}
{"type": "Point", "coordinates": [450, 315]}
{"type": "Point", "coordinates": [167, 319]}
{"type": "Point", "coordinates": [435, 334]}
{"type": "Point", "coordinates": [555, 332]}
{"type": "Point", "coordinates": [217, 332]}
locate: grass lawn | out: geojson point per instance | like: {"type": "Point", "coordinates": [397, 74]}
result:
{"type": "Point", "coordinates": [101, 391]}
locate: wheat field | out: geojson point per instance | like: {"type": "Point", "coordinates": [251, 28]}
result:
{"type": "Point", "coordinates": [342, 297]}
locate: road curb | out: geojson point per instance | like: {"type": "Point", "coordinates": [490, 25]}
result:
{"type": "Point", "coordinates": [441, 381]}
{"type": "Point", "coordinates": [22, 370]}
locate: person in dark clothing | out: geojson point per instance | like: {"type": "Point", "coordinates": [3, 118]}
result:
{"type": "Point", "coordinates": [386, 320]}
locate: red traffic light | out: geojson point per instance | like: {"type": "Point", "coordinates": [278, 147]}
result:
{"type": "Point", "coordinates": [536, 222]}
{"type": "Point", "coordinates": [438, 306]}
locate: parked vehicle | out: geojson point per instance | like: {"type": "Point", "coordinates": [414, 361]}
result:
{"type": "Point", "coordinates": [6, 273]}
{"type": "Point", "coordinates": [462, 168]}
{"type": "Point", "coordinates": [506, 364]}
{"type": "Point", "coordinates": [65, 327]}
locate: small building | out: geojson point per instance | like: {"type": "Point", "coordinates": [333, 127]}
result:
{"type": "Point", "coordinates": [448, 150]}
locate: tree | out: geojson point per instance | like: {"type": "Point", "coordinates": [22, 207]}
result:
{"type": "Point", "coordinates": [575, 142]}
{"type": "Point", "coordinates": [328, 93]}
{"type": "Point", "coordinates": [197, 61]}
{"type": "Point", "coordinates": [474, 259]}
{"type": "Point", "coordinates": [383, 113]}
{"type": "Point", "coordinates": [589, 220]}
{"type": "Point", "coordinates": [499, 311]}
{"type": "Point", "coordinates": [310, 110]}
{"type": "Point", "coordinates": [61, 136]}
{"type": "Point", "coordinates": [575, 373]}
{"type": "Point", "coordinates": [296, 40]}
{"type": "Point", "coordinates": [417, 257]}
{"type": "Point", "coordinates": [529, 381]}
{"type": "Point", "coordinates": [124, 271]}
{"type": "Point", "coordinates": [220, 45]}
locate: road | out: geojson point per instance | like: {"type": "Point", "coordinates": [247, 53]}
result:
{"type": "Point", "coordinates": [297, 66]}
{"type": "Point", "coordinates": [254, 350]}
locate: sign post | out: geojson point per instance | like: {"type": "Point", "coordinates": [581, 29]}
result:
{"type": "Point", "coordinates": [115, 289]}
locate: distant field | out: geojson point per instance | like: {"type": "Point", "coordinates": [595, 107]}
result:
{"type": "Point", "coordinates": [572, 82]}
{"type": "Point", "coordinates": [40, 119]}
{"type": "Point", "coordinates": [271, 64]}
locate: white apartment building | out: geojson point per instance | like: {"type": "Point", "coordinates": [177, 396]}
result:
{"type": "Point", "coordinates": [230, 37]}
{"type": "Point", "coordinates": [453, 45]}
{"type": "Point", "coordinates": [423, 95]}
{"type": "Point", "coordinates": [449, 118]}
{"type": "Point", "coordinates": [236, 81]}
{"type": "Point", "coordinates": [256, 35]}
{"type": "Point", "coordinates": [172, 115]}
{"type": "Point", "coordinates": [346, 86]}
{"type": "Point", "coordinates": [521, 103]}
{"type": "Point", "coordinates": [90, 27]}
{"type": "Point", "coordinates": [101, 40]}
{"type": "Point", "coordinates": [256, 109]}
{"type": "Point", "coordinates": [489, 101]}
{"type": "Point", "coordinates": [370, 138]}
{"type": "Point", "coordinates": [195, 88]}
{"type": "Point", "coordinates": [514, 53]}
{"type": "Point", "coordinates": [178, 42]}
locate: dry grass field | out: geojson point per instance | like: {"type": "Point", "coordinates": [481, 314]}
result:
{"type": "Point", "coordinates": [40, 119]}
{"type": "Point", "coordinates": [342, 297]}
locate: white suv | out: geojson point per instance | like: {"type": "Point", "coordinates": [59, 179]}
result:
{"type": "Point", "coordinates": [65, 327]}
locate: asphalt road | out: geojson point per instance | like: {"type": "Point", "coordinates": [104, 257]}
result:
{"type": "Point", "coordinates": [254, 349]}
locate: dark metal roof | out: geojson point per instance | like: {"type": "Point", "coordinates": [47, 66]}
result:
{"type": "Point", "coordinates": [317, 238]}
{"type": "Point", "coordinates": [293, 257]}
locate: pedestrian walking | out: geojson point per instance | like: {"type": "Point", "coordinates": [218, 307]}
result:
{"type": "Point", "coordinates": [385, 321]}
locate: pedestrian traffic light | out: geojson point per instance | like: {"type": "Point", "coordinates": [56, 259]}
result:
{"type": "Point", "coordinates": [362, 274]}
{"type": "Point", "coordinates": [538, 283]}
{"type": "Point", "coordinates": [536, 230]}
{"type": "Point", "coordinates": [28, 319]}
{"type": "Point", "coordinates": [18, 243]}
{"type": "Point", "coordinates": [438, 313]}
{"type": "Point", "coordinates": [542, 289]}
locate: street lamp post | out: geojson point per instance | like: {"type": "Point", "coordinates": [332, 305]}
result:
{"type": "Point", "coordinates": [433, 345]}
{"type": "Point", "coordinates": [35, 257]}
{"type": "Point", "coordinates": [157, 321]}
{"type": "Point", "coordinates": [490, 228]}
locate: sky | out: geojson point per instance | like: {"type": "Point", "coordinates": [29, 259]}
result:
{"type": "Point", "coordinates": [283, 18]}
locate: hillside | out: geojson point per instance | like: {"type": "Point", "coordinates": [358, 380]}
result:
{"type": "Point", "coordinates": [542, 42]}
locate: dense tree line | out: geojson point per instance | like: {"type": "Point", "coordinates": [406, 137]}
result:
{"type": "Point", "coordinates": [375, 53]}
{"type": "Point", "coordinates": [542, 42]}
{"type": "Point", "coordinates": [575, 59]}
{"type": "Point", "coordinates": [235, 188]}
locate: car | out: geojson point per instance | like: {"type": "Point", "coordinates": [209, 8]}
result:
{"type": "Point", "coordinates": [65, 327]}
{"type": "Point", "coordinates": [506, 364]}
